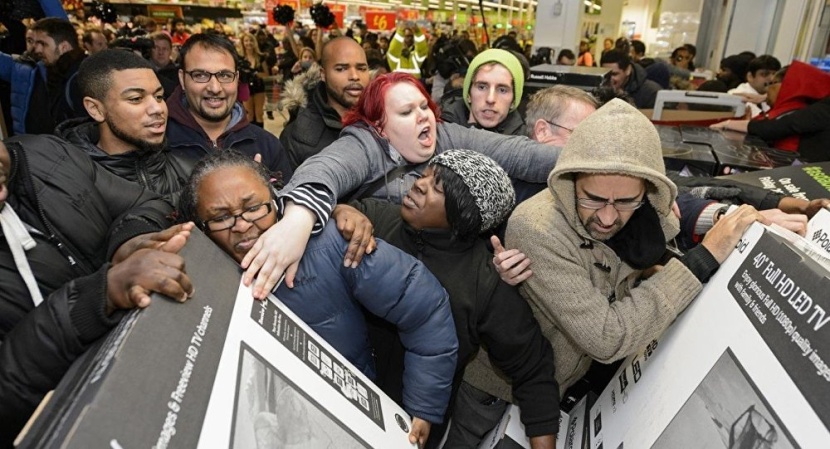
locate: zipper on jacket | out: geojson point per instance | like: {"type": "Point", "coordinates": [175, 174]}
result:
{"type": "Point", "coordinates": [75, 262]}
{"type": "Point", "coordinates": [141, 171]}
{"type": "Point", "coordinates": [419, 244]}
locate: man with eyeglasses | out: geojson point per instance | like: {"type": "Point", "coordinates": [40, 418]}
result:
{"type": "Point", "coordinates": [602, 286]}
{"type": "Point", "coordinates": [229, 196]}
{"type": "Point", "coordinates": [204, 113]}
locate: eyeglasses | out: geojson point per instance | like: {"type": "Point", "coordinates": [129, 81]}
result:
{"type": "Point", "coordinates": [251, 214]}
{"type": "Point", "coordinates": [589, 203]}
{"type": "Point", "coordinates": [201, 76]}
{"type": "Point", "coordinates": [560, 126]}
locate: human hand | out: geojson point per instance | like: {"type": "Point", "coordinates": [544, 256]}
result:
{"type": "Point", "coordinates": [675, 209]}
{"type": "Point", "coordinates": [792, 205]}
{"type": "Point", "coordinates": [724, 235]}
{"type": "Point", "coordinates": [170, 240]}
{"type": "Point", "coordinates": [131, 281]}
{"type": "Point", "coordinates": [278, 250]}
{"type": "Point", "coordinates": [792, 222]}
{"type": "Point", "coordinates": [752, 98]}
{"type": "Point", "coordinates": [420, 432]}
{"type": "Point", "coordinates": [358, 230]}
{"type": "Point", "coordinates": [513, 265]}
{"type": "Point", "coordinates": [543, 442]}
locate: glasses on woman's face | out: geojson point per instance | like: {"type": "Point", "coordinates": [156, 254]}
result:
{"type": "Point", "coordinates": [621, 205]}
{"type": "Point", "coordinates": [203, 76]}
{"type": "Point", "coordinates": [251, 214]}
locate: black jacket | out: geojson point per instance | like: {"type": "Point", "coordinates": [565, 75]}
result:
{"type": "Point", "coordinates": [811, 124]}
{"type": "Point", "coordinates": [315, 127]}
{"type": "Point", "coordinates": [487, 312]}
{"type": "Point", "coordinates": [641, 89]}
{"type": "Point", "coordinates": [78, 214]}
{"type": "Point", "coordinates": [162, 172]}
{"type": "Point", "coordinates": [57, 97]}
{"type": "Point", "coordinates": [454, 110]}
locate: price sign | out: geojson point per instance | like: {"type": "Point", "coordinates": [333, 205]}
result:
{"type": "Point", "coordinates": [384, 21]}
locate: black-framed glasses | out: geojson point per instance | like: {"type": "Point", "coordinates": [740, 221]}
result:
{"type": "Point", "coordinates": [251, 214]}
{"type": "Point", "coordinates": [559, 126]}
{"type": "Point", "coordinates": [593, 204]}
{"type": "Point", "coordinates": [202, 76]}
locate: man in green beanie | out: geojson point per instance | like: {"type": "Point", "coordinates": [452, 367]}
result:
{"type": "Point", "coordinates": [491, 94]}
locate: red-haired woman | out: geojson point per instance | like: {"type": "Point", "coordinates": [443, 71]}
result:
{"type": "Point", "coordinates": [387, 140]}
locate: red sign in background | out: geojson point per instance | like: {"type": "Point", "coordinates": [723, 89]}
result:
{"type": "Point", "coordinates": [379, 20]}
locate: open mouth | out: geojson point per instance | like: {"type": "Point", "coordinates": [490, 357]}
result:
{"type": "Point", "coordinates": [214, 102]}
{"type": "Point", "coordinates": [425, 137]}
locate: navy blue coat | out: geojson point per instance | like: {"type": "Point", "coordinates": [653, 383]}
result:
{"type": "Point", "coordinates": [394, 286]}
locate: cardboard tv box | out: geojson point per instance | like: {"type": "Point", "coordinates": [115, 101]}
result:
{"type": "Point", "coordinates": [220, 370]}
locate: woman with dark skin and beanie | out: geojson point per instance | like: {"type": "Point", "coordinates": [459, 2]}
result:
{"type": "Point", "coordinates": [460, 195]}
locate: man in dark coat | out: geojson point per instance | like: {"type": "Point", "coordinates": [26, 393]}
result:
{"type": "Point", "coordinates": [62, 218]}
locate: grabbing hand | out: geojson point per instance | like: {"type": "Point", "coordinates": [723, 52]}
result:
{"type": "Point", "coordinates": [420, 432]}
{"type": "Point", "coordinates": [170, 240]}
{"type": "Point", "coordinates": [131, 282]}
{"type": "Point", "coordinates": [513, 265]}
{"type": "Point", "coordinates": [358, 230]}
{"type": "Point", "coordinates": [724, 235]}
{"type": "Point", "coordinates": [792, 222]}
{"type": "Point", "coordinates": [793, 205]}
{"type": "Point", "coordinates": [278, 250]}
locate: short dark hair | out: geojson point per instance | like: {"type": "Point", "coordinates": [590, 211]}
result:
{"type": "Point", "coordinates": [463, 213]}
{"type": "Point", "coordinates": [177, 21]}
{"type": "Point", "coordinates": [95, 73]}
{"type": "Point", "coordinates": [87, 39]}
{"type": "Point", "coordinates": [638, 46]}
{"type": "Point", "coordinates": [619, 57]}
{"type": "Point", "coordinates": [59, 30]}
{"type": "Point", "coordinates": [565, 53]}
{"type": "Point", "coordinates": [764, 62]}
{"type": "Point", "coordinates": [212, 41]}
{"type": "Point", "coordinates": [691, 49]}
{"type": "Point", "coordinates": [216, 160]}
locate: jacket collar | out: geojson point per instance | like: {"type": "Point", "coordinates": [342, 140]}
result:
{"type": "Point", "coordinates": [319, 99]}
{"type": "Point", "coordinates": [437, 239]}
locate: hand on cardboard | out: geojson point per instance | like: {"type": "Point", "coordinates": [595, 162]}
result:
{"type": "Point", "coordinates": [131, 281]}
{"type": "Point", "coordinates": [170, 240]}
{"type": "Point", "coordinates": [513, 265]}
{"type": "Point", "coordinates": [792, 222]}
{"type": "Point", "coordinates": [358, 230]}
{"type": "Point", "coordinates": [724, 235]}
{"type": "Point", "coordinates": [793, 205]}
{"type": "Point", "coordinates": [543, 442]}
{"type": "Point", "coordinates": [420, 432]}
{"type": "Point", "coordinates": [278, 250]}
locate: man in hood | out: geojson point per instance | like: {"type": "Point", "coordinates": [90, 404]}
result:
{"type": "Point", "coordinates": [630, 78]}
{"type": "Point", "coordinates": [602, 287]}
{"type": "Point", "coordinates": [126, 135]}
{"type": "Point", "coordinates": [204, 113]}
{"type": "Point", "coordinates": [492, 92]}
{"type": "Point", "coordinates": [322, 99]}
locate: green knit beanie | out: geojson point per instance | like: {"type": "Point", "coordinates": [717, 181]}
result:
{"type": "Point", "coordinates": [505, 58]}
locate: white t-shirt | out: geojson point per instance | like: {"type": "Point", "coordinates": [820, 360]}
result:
{"type": "Point", "coordinates": [746, 88]}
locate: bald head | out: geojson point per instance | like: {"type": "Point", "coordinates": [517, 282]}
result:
{"type": "Point", "coordinates": [345, 72]}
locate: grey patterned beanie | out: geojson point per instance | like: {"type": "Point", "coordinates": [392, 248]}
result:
{"type": "Point", "coordinates": [487, 181]}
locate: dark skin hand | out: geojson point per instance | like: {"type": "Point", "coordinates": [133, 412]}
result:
{"type": "Point", "coordinates": [792, 205]}
{"type": "Point", "coordinates": [358, 230]}
{"type": "Point", "coordinates": [131, 282]}
{"type": "Point", "coordinates": [153, 240]}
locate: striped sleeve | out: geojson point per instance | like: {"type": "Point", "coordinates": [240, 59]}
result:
{"type": "Point", "coordinates": [316, 197]}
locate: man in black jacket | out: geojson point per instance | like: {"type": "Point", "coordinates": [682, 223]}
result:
{"type": "Point", "coordinates": [629, 77]}
{"type": "Point", "coordinates": [58, 294]}
{"type": "Point", "coordinates": [323, 98]}
{"type": "Point", "coordinates": [461, 195]}
{"type": "Point", "coordinates": [126, 135]}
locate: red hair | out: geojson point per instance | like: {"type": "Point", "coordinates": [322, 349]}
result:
{"type": "Point", "coordinates": [370, 108]}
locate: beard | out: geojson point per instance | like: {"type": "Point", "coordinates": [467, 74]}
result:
{"type": "Point", "coordinates": [341, 98]}
{"type": "Point", "coordinates": [142, 146]}
{"type": "Point", "coordinates": [601, 236]}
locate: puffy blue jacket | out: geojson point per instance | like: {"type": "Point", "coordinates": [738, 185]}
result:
{"type": "Point", "coordinates": [394, 286]}
{"type": "Point", "coordinates": [21, 74]}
